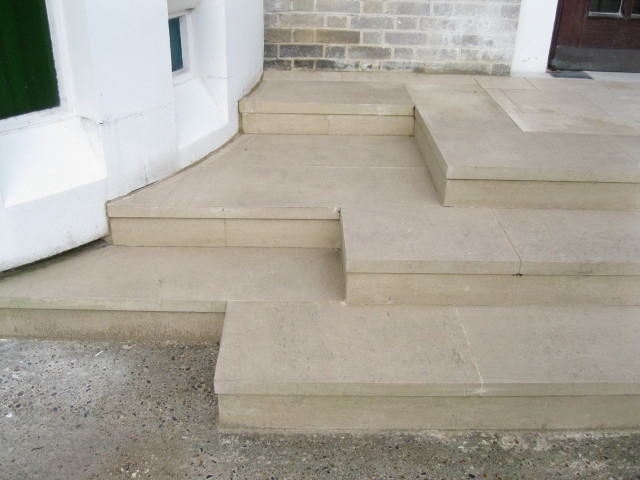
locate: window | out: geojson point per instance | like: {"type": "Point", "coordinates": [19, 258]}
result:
{"type": "Point", "coordinates": [179, 43]}
{"type": "Point", "coordinates": [28, 81]}
{"type": "Point", "coordinates": [175, 42]}
{"type": "Point", "coordinates": [615, 8]}
{"type": "Point", "coordinates": [605, 6]}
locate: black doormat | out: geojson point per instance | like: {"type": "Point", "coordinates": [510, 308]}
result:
{"type": "Point", "coordinates": [570, 74]}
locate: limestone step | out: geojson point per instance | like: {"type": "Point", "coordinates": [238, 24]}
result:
{"type": "Point", "coordinates": [159, 293]}
{"type": "Point", "coordinates": [332, 366]}
{"type": "Point", "coordinates": [478, 256]}
{"type": "Point", "coordinates": [328, 108]}
{"type": "Point", "coordinates": [515, 145]}
{"type": "Point", "coordinates": [488, 141]}
{"type": "Point", "coordinates": [273, 191]}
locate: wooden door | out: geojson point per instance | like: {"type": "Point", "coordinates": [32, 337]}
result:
{"type": "Point", "coordinates": [599, 35]}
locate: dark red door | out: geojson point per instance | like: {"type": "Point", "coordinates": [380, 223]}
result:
{"type": "Point", "coordinates": [597, 35]}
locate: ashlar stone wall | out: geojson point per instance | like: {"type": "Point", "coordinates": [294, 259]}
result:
{"type": "Point", "coordinates": [461, 36]}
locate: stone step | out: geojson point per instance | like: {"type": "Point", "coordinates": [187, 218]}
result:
{"type": "Point", "coordinates": [332, 366]}
{"type": "Point", "coordinates": [328, 108]}
{"type": "Point", "coordinates": [482, 149]}
{"type": "Point", "coordinates": [488, 141]}
{"type": "Point", "coordinates": [273, 191]}
{"type": "Point", "coordinates": [477, 256]}
{"type": "Point", "coordinates": [159, 293]}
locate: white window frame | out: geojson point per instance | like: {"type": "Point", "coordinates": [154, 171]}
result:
{"type": "Point", "coordinates": [188, 71]}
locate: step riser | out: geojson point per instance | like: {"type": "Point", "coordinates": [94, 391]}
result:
{"type": "Point", "coordinates": [111, 325]}
{"type": "Point", "coordinates": [521, 194]}
{"type": "Point", "coordinates": [434, 289]}
{"type": "Point", "coordinates": [560, 195]}
{"type": "Point", "coordinates": [316, 413]}
{"type": "Point", "coordinates": [299, 124]}
{"type": "Point", "coordinates": [175, 232]}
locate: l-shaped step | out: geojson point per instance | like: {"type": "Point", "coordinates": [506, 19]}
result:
{"type": "Point", "coordinates": [159, 293]}
{"type": "Point", "coordinates": [273, 191]}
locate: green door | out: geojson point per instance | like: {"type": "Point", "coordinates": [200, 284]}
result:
{"type": "Point", "coordinates": [28, 80]}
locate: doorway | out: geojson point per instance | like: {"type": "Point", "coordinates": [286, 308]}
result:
{"type": "Point", "coordinates": [600, 35]}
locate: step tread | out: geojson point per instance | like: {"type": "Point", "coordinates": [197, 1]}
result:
{"type": "Point", "coordinates": [176, 279]}
{"type": "Point", "coordinates": [276, 176]}
{"type": "Point", "coordinates": [339, 98]}
{"type": "Point", "coordinates": [426, 239]}
{"type": "Point", "coordinates": [336, 349]}
{"type": "Point", "coordinates": [570, 242]}
{"type": "Point", "coordinates": [494, 147]}
{"type": "Point", "coordinates": [433, 239]}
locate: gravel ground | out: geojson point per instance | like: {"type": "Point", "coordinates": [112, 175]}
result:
{"type": "Point", "coordinates": [79, 410]}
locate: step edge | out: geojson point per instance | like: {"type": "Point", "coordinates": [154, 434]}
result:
{"type": "Point", "coordinates": [113, 304]}
{"type": "Point", "coordinates": [364, 109]}
{"type": "Point", "coordinates": [224, 212]}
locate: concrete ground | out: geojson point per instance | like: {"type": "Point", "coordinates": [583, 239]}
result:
{"type": "Point", "coordinates": [82, 410]}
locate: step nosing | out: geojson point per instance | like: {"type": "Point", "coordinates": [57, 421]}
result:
{"type": "Point", "coordinates": [420, 267]}
{"type": "Point", "coordinates": [364, 109]}
{"type": "Point", "coordinates": [226, 212]}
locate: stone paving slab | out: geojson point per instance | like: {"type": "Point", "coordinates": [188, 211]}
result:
{"type": "Point", "coordinates": [434, 240]}
{"type": "Point", "coordinates": [586, 350]}
{"type": "Point", "coordinates": [569, 242]}
{"type": "Point", "coordinates": [471, 241]}
{"type": "Point", "coordinates": [176, 279]}
{"type": "Point", "coordinates": [317, 98]}
{"type": "Point", "coordinates": [273, 176]}
{"type": "Point", "coordinates": [318, 151]}
{"type": "Point", "coordinates": [334, 349]}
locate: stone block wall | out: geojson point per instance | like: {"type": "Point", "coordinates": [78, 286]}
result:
{"type": "Point", "coordinates": [453, 36]}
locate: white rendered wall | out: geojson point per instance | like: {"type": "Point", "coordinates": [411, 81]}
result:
{"type": "Point", "coordinates": [227, 65]}
{"type": "Point", "coordinates": [124, 121]}
{"type": "Point", "coordinates": [533, 39]}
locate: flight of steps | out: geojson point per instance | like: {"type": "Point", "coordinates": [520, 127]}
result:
{"type": "Point", "coordinates": [346, 296]}
{"type": "Point", "coordinates": [453, 318]}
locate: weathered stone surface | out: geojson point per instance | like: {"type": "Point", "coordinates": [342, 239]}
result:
{"type": "Point", "coordinates": [369, 52]}
{"type": "Point", "coordinates": [337, 36]}
{"type": "Point", "coordinates": [301, 51]}
{"type": "Point", "coordinates": [478, 36]}
{"type": "Point", "coordinates": [372, 22]}
{"type": "Point", "coordinates": [303, 35]}
{"type": "Point", "coordinates": [277, 35]}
